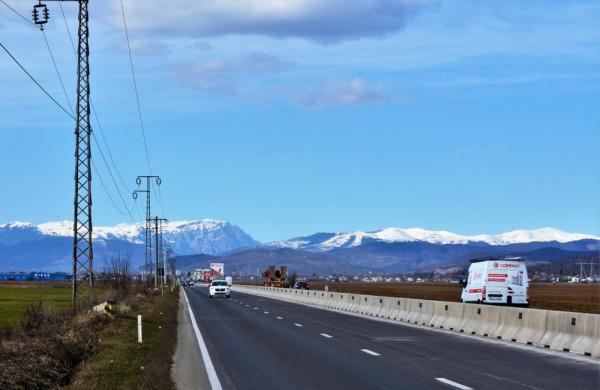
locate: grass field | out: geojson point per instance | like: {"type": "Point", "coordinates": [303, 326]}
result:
{"type": "Point", "coordinates": [15, 298]}
{"type": "Point", "coordinates": [583, 298]}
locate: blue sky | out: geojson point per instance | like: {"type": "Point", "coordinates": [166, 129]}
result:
{"type": "Point", "coordinates": [291, 117]}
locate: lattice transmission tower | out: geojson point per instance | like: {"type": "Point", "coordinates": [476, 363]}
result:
{"type": "Point", "coordinates": [83, 255]}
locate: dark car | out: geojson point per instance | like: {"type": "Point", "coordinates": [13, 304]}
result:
{"type": "Point", "coordinates": [302, 286]}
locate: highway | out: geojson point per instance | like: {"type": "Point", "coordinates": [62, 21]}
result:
{"type": "Point", "coordinates": [257, 343]}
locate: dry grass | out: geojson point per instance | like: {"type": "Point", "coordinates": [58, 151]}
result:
{"type": "Point", "coordinates": [583, 298]}
{"type": "Point", "coordinates": [123, 363]}
{"type": "Point", "coordinates": [43, 350]}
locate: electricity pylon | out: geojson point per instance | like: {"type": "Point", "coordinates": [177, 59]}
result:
{"type": "Point", "coordinates": [148, 260]}
{"type": "Point", "coordinates": [83, 255]}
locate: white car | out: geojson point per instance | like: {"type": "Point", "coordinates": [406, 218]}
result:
{"type": "Point", "coordinates": [219, 287]}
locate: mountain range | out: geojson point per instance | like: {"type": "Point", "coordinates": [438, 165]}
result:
{"type": "Point", "coordinates": [47, 247]}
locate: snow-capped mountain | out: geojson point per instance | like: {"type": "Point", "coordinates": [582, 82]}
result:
{"type": "Point", "coordinates": [48, 245]}
{"type": "Point", "coordinates": [330, 241]}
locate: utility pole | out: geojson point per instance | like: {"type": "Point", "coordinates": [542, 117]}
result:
{"type": "Point", "coordinates": [157, 249]}
{"type": "Point", "coordinates": [148, 260]}
{"type": "Point", "coordinates": [83, 256]}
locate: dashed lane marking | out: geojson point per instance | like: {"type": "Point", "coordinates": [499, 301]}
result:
{"type": "Point", "coordinates": [453, 384]}
{"type": "Point", "coordinates": [368, 351]}
{"type": "Point", "coordinates": [279, 318]}
{"type": "Point", "coordinates": [327, 336]}
{"type": "Point", "coordinates": [298, 325]}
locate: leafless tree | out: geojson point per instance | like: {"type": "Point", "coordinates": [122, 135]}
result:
{"type": "Point", "coordinates": [117, 269]}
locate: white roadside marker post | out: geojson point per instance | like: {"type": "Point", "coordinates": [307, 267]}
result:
{"type": "Point", "coordinates": [139, 328]}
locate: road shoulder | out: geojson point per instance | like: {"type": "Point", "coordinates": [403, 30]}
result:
{"type": "Point", "coordinates": [188, 371]}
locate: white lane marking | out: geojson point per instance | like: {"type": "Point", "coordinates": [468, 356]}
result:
{"type": "Point", "coordinates": [256, 308]}
{"type": "Point", "coordinates": [298, 325]}
{"type": "Point", "coordinates": [279, 318]}
{"type": "Point", "coordinates": [453, 384]}
{"type": "Point", "coordinates": [247, 305]}
{"type": "Point", "coordinates": [370, 352]}
{"type": "Point", "coordinates": [326, 335]}
{"type": "Point", "coordinates": [215, 384]}
{"type": "Point", "coordinates": [266, 312]}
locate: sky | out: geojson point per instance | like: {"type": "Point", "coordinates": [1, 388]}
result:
{"type": "Point", "coordinates": [292, 117]}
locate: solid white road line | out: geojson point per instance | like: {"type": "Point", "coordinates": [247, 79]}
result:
{"type": "Point", "coordinates": [326, 335]}
{"type": "Point", "coordinates": [453, 384]}
{"type": "Point", "coordinates": [215, 384]}
{"type": "Point", "coordinates": [298, 325]}
{"type": "Point", "coordinates": [370, 352]}
{"type": "Point", "coordinates": [279, 318]}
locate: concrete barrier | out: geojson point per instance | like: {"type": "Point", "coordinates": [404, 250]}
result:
{"type": "Point", "coordinates": [403, 311]}
{"type": "Point", "coordinates": [564, 331]}
{"type": "Point", "coordinates": [447, 315]}
{"type": "Point", "coordinates": [471, 322]}
{"type": "Point", "coordinates": [354, 302]}
{"type": "Point", "coordinates": [386, 308]}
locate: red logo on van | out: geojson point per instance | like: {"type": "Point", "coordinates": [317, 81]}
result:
{"type": "Point", "coordinates": [495, 265]}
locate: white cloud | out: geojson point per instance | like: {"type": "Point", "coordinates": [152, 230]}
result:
{"type": "Point", "coordinates": [221, 75]}
{"type": "Point", "coordinates": [325, 21]}
{"type": "Point", "coordinates": [340, 93]}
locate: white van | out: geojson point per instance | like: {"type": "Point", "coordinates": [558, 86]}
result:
{"type": "Point", "coordinates": [497, 281]}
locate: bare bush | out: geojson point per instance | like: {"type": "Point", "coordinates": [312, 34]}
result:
{"type": "Point", "coordinates": [117, 270]}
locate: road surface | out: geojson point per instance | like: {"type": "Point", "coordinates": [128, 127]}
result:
{"type": "Point", "coordinates": [257, 343]}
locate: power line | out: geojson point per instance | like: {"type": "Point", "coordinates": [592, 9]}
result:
{"type": "Point", "coordinates": [17, 12]}
{"type": "Point", "coordinates": [137, 95]}
{"type": "Point", "coordinates": [139, 107]}
{"type": "Point", "coordinates": [98, 145]}
{"type": "Point", "coordinates": [112, 177]}
{"type": "Point", "coordinates": [106, 190]}
{"type": "Point", "coordinates": [96, 116]}
{"type": "Point", "coordinates": [106, 144]}
{"type": "Point", "coordinates": [35, 81]}
{"type": "Point", "coordinates": [57, 72]}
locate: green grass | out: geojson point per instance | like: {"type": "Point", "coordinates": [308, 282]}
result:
{"type": "Point", "coordinates": [14, 299]}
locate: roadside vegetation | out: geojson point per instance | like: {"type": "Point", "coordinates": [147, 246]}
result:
{"type": "Point", "coordinates": [121, 362]}
{"type": "Point", "coordinates": [44, 345]}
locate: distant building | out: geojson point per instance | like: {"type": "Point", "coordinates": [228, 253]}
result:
{"type": "Point", "coordinates": [35, 276]}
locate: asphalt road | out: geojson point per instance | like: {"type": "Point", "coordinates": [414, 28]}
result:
{"type": "Point", "coordinates": [258, 343]}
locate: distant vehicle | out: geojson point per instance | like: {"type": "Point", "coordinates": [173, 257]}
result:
{"type": "Point", "coordinates": [229, 280]}
{"type": "Point", "coordinates": [496, 281]}
{"type": "Point", "coordinates": [219, 288]}
{"type": "Point", "coordinates": [299, 285]}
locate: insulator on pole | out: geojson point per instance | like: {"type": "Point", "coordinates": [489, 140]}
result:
{"type": "Point", "coordinates": [40, 14]}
